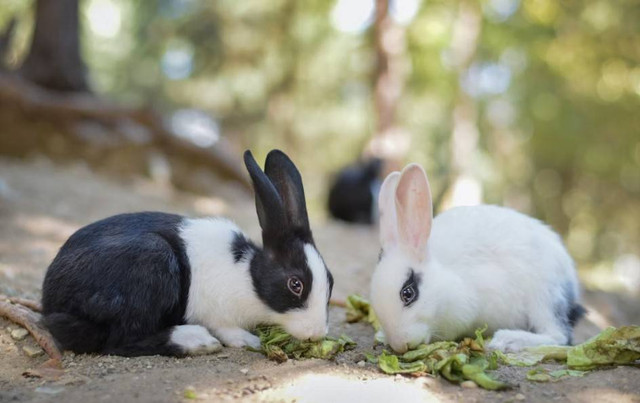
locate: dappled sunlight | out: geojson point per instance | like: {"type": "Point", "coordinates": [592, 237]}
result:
{"type": "Point", "coordinates": [311, 388]}
{"type": "Point", "coordinates": [467, 191]}
{"type": "Point", "coordinates": [45, 226]}
{"type": "Point", "coordinates": [104, 18]}
{"type": "Point", "coordinates": [195, 126]}
{"type": "Point", "coordinates": [210, 206]}
{"type": "Point", "coordinates": [604, 395]}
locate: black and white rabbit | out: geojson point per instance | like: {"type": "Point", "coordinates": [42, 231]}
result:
{"type": "Point", "coordinates": [155, 283]}
{"type": "Point", "coordinates": [442, 278]}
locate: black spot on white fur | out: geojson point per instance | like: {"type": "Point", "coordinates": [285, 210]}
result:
{"type": "Point", "coordinates": [567, 311]}
{"type": "Point", "coordinates": [241, 247]}
{"type": "Point", "coordinates": [414, 279]}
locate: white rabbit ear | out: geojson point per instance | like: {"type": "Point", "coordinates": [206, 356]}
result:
{"type": "Point", "coordinates": [387, 210]}
{"type": "Point", "coordinates": [414, 210]}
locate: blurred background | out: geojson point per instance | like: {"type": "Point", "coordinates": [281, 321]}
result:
{"type": "Point", "coordinates": [531, 104]}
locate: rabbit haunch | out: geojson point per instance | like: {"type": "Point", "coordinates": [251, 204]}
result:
{"type": "Point", "coordinates": [473, 266]}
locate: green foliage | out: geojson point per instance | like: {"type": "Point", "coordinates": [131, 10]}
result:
{"type": "Point", "coordinates": [456, 362]}
{"type": "Point", "coordinates": [560, 141]}
{"type": "Point", "coordinates": [279, 346]}
{"type": "Point", "coordinates": [468, 360]}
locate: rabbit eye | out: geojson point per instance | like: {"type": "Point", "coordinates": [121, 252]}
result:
{"type": "Point", "coordinates": [295, 285]}
{"type": "Point", "coordinates": [408, 295]}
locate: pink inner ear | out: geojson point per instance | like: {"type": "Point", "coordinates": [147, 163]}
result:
{"type": "Point", "coordinates": [414, 210]}
{"type": "Point", "coordinates": [387, 210]}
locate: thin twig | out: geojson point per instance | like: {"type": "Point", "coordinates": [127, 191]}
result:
{"type": "Point", "coordinates": [338, 302]}
{"type": "Point", "coordinates": [29, 303]}
{"type": "Point", "coordinates": [30, 320]}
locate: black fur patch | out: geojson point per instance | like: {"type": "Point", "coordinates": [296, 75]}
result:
{"type": "Point", "coordinates": [118, 285]}
{"type": "Point", "coordinates": [330, 282]}
{"type": "Point", "coordinates": [567, 311]}
{"type": "Point", "coordinates": [270, 272]}
{"type": "Point", "coordinates": [241, 247]}
{"type": "Point", "coordinates": [576, 313]}
{"type": "Point", "coordinates": [414, 279]}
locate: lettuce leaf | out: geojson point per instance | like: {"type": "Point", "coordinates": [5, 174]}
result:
{"type": "Point", "coordinates": [278, 345]}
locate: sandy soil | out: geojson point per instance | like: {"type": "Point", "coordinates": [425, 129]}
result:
{"type": "Point", "coordinates": [42, 204]}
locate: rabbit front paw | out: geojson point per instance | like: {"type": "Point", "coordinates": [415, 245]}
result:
{"type": "Point", "coordinates": [194, 340]}
{"type": "Point", "coordinates": [511, 340]}
{"type": "Point", "coordinates": [236, 337]}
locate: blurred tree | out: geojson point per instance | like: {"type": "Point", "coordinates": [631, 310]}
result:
{"type": "Point", "coordinates": [389, 141]}
{"type": "Point", "coordinates": [5, 42]}
{"type": "Point", "coordinates": [542, 112]}
{"type": "Point", "coordinates": [54, 60]}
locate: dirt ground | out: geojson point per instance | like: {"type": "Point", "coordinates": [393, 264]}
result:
{"type": "Point", "coordinates": [41, 204]}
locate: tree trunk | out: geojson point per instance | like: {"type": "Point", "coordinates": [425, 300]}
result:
{"type": "Point", "coordinates": [465, 184]}
{"type": "Point", "coordinates": [5, 42]}
{"type": "Point", "coordinates": [389, 142]}
{"type": "Point", "coordinates": [54, 61]}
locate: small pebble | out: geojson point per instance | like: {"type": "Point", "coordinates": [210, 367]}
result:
{"type": "Point", "coordinates": [244, 371]}
{"type": "Point", "coordinates": [469, 384]}
{"type": "Point", "coordinates": [520, 396]}
{"type": "Point", "coordinates": [19, 334]}
{"type": "Point", "coordinates": [32, 351]}
{"type": "Point", "coordinates": [361, 363]}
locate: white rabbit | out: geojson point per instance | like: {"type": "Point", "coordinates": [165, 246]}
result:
{"type": "Point", "coordinates": [442, 278]}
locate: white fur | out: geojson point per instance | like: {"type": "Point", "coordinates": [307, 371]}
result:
{"type": "Point", "coordinates": [222, 297]}
{"type": "Point", "coordinates": [311, 321]}
{"type": "Point", "coordinates": [221, 294]}
{"type": "Point", "coordinates": [481, 265]}
{"type": "Point", "coordinates": [194, 340]}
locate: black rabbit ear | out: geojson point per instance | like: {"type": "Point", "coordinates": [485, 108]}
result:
{"type": "Point", "coordinates": [269, 206]}
{"type": "Point", "coordinates": [285, 177]}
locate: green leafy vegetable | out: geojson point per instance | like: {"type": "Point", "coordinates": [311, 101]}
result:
{"type": "Point", "coordinates": [612, 346]}
{"type": "Point", "coordinates": [545, 375]}
{"type": "Point", "coordinates": [279, 345]}
{"type": "Point", "coordinates": [189, 393]}
{"type": "Point", "coordinates": [456, 362]}
{"type": "Point", "coordinates": [519, 359]}
{"type": "Point", "coordinates": [468, 360]}
{"type": "Point", "coordinates": [359, 309]}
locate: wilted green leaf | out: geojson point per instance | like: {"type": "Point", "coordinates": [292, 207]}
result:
{"type": "Point", "coordinates": [611, 346]}
{"type": "Point", "coordinates": [520, 359]}
{"type": "Point", "coordinates": [477, 374]}
{"type": "Point", "coordinates": [549, 353]}
{"type": "Point", "coordinates": [567, 372]}
{"type": "Point", "coordinates": [454, 361]}
{"type": "Point", "coordinates": [545, 375]}
{"type": "Point", "coordinates": [538, 375]}
{"type": "Point", "coordinates": [358, 308]}
{"type": "Point", "coordinates": [425, 350]}
{"type": "Point", "coordinates": [279, 346]}
{"type": "Point", "coordinates": [190, 394]}
{"type": "Point", "coordinates": [391, 364]}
